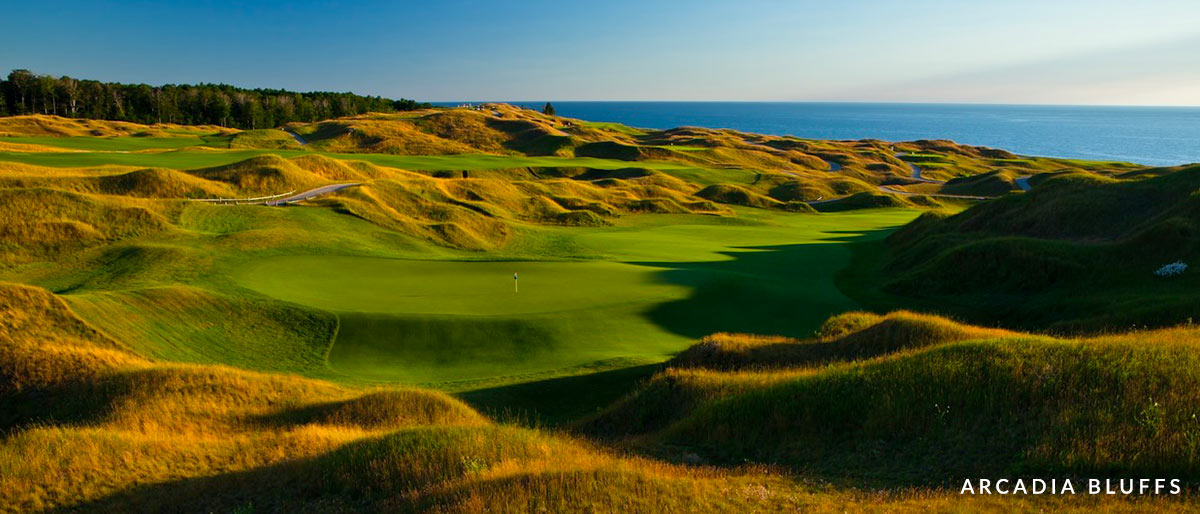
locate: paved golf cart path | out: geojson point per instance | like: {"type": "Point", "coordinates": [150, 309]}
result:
{"type": "Point", "coordinates": [312, 193]}
{"type": "Point", "coordinates": [296, 136]}
{"type": "Point", "coordinates": [916, 171]}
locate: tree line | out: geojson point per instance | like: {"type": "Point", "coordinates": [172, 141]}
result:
{"type": "Point", "coordinates": [24, 92]}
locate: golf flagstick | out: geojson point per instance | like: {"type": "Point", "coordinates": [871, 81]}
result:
{"type": "Point", "coordinates": [516, 287]}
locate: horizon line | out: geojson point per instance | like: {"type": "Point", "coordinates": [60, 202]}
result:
{"type": "Point", "coordinates": [997, 104]}
{"type": "Point", "coordinates": [414, 98]}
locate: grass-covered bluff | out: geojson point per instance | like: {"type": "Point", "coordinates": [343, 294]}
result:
{"type": "Point", "coordinates": [364, 350]}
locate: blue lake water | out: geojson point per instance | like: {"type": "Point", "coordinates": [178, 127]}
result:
{"type": "Point", "coordinates": [1157, 136]}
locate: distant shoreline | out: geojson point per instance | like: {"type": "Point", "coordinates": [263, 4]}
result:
{"type": "Point", "coordinates": [539, 103]}
{"type": "Point", "coordinates": [1149, 135]}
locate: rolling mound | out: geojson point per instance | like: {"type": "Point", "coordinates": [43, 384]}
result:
{"type": "Point", "coordinates": [263, 138]}
{"type": "Point", "coordinates": [876, 200]}
{"type": "Point", "coordinates": [8, 146]}
{"type": "Point", "coordinates": [135, 434]}
{"type": "Point", "coordinates": [140, 407]}
{"type": "Point", "coordinates": [849, 337]}
{"type": "Point", "coordinates": [924, 400]}
{"type": "Point", "coordinates": [33, 312]}
{"type": "Point", "coordinates": [373, 136]}
{"type": "Point", "coordinates": [788, 189]}
{"type": "Point", "coordinates": [47, 222]}
{"type": "Point", "coordinates": [505, 129]}
{"type": "Point", "coordinates": [57, 126]}
{"type": "Point", "coordinates": [735, 195]}
{"type": "Point", "coordinates": [686, 169]}
{"type": "Point", "coordinates": [406, 207]}
{"type": "Point", "coordinates": [140, 435]}
{"type": "Point", "coordinates": [992, 183]}
{"type": "Point", "coordinates": [1081, 249]}
{"type": "Point", "coordinates": [263, 175]}
{"type": "Point", "coordinates": [160, 183]}
{"type": "Point", "coordinates": [476, 213]}
{"type": "Point", "coordinates": [339, 170]}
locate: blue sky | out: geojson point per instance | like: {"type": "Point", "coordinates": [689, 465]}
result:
{"type": "Point", "coordinates": [1016, 51]}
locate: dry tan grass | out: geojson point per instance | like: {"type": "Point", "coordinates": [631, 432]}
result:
{"type": "Point", "coordinates": [95, 427]}
{"type": "Point", "coordinates": [49, 221]}
{"type": "Point", "coordinates": [57, 126]}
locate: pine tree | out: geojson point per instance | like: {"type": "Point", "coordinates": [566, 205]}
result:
{"type": "Point", "coordinates": [548, 109]}
{"type": "Point", "coordinates": [23, 92]}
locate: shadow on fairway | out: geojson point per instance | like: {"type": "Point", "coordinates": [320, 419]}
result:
{"type": "Point", "coordinates": [376, 344]}
{"type": "Point", "coordinates": [777, 290]}
{"type": "Point", "coordinates": [784, 290]}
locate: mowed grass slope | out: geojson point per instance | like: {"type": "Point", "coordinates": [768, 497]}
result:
{"type": "Point", "coordinates": [388, 281]}
{"type": "Point", "coordinates": [642, 291]}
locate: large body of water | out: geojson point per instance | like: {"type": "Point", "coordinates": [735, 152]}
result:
{"type": "Point", "coordinates": [1157, 136]}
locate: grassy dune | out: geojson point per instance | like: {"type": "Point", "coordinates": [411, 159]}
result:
{"type": "Point", "coordinates": [163, 354]}
{"type": "Point", "coordinates": [774, 171]}
{"type": "Point", "coordinates": [1079, 250]}
{"type": "Point", "coordinates": [620, 266]}
{"type": "Point", "coordinates": [629, 285]}
{"type": "Point", "coordinates": [136, 434]}
{"type": "Point", "coordinates": [86, 131]}
{"type": "Point", "coordinates": [915, 399]}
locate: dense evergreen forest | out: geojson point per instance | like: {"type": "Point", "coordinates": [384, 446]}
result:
{"type": "Point", "coordinates": [24, 92]}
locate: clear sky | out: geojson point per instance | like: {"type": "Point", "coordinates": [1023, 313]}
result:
{"type": "Point", "coordinates": [1016, 51]}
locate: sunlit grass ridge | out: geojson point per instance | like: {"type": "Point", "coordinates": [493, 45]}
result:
{"type": "Point", "coordinates": [159, 353]}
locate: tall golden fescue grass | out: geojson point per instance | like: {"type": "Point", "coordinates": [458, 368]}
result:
{"type": "Point", "coordinates": [57, 126]}
{"type": "Point", "coordinates": [913, 398]}
{"type": "Point", "coordinates": [91, 426]}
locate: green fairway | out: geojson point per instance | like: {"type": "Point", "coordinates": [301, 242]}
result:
{"type": "Point", "coordinates": [649, 288]}
{"type": "Point", "coordinates": [319, 293]}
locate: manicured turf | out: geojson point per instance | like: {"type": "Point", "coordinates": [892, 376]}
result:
{"type": "Point", "coordinates": [453, 287]}
{"type": "Point", "coordinates": [591, 298]}
{"type": "Point", "coordinates": [651, 286]}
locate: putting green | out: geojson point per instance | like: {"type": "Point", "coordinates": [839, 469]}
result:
{"type": "Point", "coordinates": [362, 284]}
{"type": "Point", "coordinates": [436, 321]}
{"type": "Point", "coordinates": [649, 288]}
